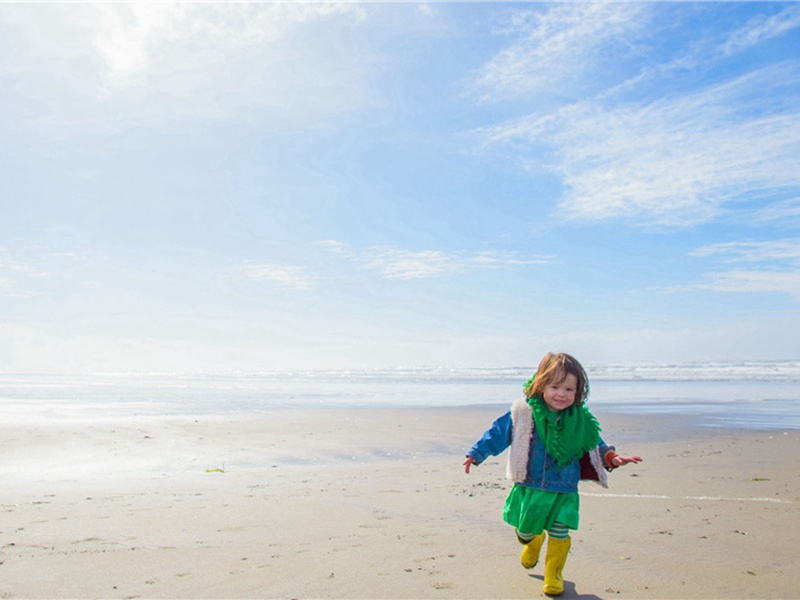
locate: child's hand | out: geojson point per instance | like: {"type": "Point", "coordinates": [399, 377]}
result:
{"type": "Point", "coordinates": [618, 461]}
{"type": "Point", "coordinates": [468, 463]}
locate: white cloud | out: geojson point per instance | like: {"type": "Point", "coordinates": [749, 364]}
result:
{"type": "Point", "coordinates": [113, 65]}
{"type": "Point", "coordinates": [405, 264]}
{"type": "Point", "coordinates": [122, 38]}
{"type": "Point", "coordinates": [499, 260]}
{"type": "Point", "coordinates": [762, 28]}
{"type": "Point", "coordinates": [675, 161]}
{"type": "Point", "coordinates": [786, 282]}
{"type": "Point", "coordinates": [394, 263]}
{"type": "Point", "coordinates": [289, 276]}
{"type": "Point", "coordinates": [786, 209]}
{"type": "Point", "coordinates": [334, 246]}
{"type": "Point", "coordinates": [558, 48]}
{"type": "Point", "coordinates": [709, 49]}
{"type": "Point", "coordinates": [426, 10]}
{"type": "Point", "coordinates": [9, 264]}
{"type": "Point", "coordinates": [779, 272]}
{"type": "Point", "coordinates": [20, 277]}
{"type": "Point", "coordinates": [772, 250]}
{"type": "Point", "coordinates": [135, 37]}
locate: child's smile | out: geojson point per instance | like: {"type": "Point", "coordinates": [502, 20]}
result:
{"type": "Point", "coordinates": [561, 395]}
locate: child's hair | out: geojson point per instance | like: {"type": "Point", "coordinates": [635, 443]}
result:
{"type": "Point", "coordinates": [554, 368]}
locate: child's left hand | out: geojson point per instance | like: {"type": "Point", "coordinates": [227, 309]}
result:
{"type": "Point", "coordinates": [618, 461]}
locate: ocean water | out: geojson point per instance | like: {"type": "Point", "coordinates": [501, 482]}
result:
{"type": "Point", "coordinates": [753, 394]}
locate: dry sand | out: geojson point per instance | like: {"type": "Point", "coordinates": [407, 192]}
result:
{"type": "Point", "coordinates": [374, 504]}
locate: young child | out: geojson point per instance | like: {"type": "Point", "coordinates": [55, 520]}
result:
{"type": "Point", "coordinates": [555, 442]}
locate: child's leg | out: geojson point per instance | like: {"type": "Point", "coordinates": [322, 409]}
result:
{"type": "Point", "coordinates": [558, 531]}
{"type": "Point", "coordinates": [524, 538]}
{"type": "Point", "coordinates": [533, 545]}
{"type": "Point", "coordinates": [557, 550]}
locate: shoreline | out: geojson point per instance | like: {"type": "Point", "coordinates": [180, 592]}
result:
{"type": "Point", "coordinates": [373, 503]}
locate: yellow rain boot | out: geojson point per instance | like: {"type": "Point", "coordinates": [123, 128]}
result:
{"type": "Point", "coordinates": [554, 562]}
{"type": "Point", "coordinates": [530, 553]}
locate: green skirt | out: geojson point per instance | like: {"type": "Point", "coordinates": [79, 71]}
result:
{"type": "Point", "coordinates": [534, 511]}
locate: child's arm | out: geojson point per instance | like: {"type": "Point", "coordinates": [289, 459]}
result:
{"type": "Point", "coordinates": [494, 441]}
{"type": "Point", "coordinates": [614, 460]}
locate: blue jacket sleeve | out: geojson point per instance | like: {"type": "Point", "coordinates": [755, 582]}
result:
{"type": "Point", "coordinates": [604, 449]}
{"type": "Point", "coordinates": [494, 441]}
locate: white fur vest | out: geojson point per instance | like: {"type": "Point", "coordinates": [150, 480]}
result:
{"type": "Point", "coordinates": [522, 431]}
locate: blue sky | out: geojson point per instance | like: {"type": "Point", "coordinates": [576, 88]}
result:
{"type": "Point", "coordinates": [300, 185]}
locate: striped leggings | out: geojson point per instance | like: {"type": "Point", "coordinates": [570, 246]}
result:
{"type": "Point", "coordinates": [558, 531]}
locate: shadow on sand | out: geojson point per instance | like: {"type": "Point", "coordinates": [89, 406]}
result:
{"type": "Point", "coordinates": [569, 590]}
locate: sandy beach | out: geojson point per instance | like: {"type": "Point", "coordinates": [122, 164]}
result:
{"type": "Point", "coordinates": [374, 503]}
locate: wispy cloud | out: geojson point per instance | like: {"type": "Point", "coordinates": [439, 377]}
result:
{"type": "Point", "coordinates": [785, 282]}
{"type": "Point", "coordinates": [503, 259]}
{"type": "Point", "coordinates": [742, 251]}
{"type": "Point", "coordinates": [133, 38]}
{"type": "Point", "coordinates": [394, 263]}
{"type": "Point", "coordinates": [111, 65]}
{"type": "Point", "coordinates": [761, 29]}
{"type": "Point", "coordinates": [334, 246]}
{"type": "Point", "coordinates": [674, 161]}
{"type": "Point", "coordinates": [709, 49]}
{"type": "Point", "coordinates": [785, 209]}
{"type": "Point", "coordinates": [288, 276]}
{"type": "Point", "coordinates": [23, 271]}
{"type": "Point", "coordinates": [778, 271]}
{"type": "Point", "coordinates": [11, 265]}
{"type": "Point", "coordinates": [558, 48]}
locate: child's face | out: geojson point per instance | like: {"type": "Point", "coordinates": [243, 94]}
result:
{"type": "Point", "coordinates": [561, 395]}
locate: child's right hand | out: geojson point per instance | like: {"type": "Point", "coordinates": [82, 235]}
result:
{"type": "Point", "coordinates": [468, 463]}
